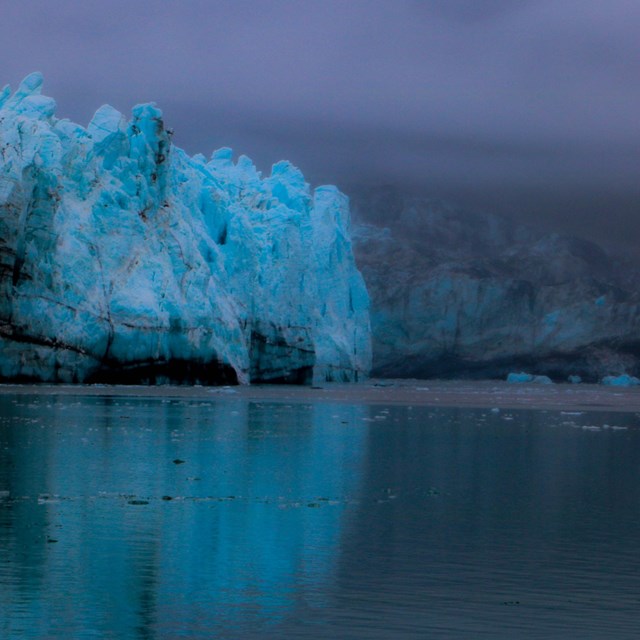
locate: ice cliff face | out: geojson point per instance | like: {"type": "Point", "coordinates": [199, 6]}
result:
{"type": "Point", "coordinates": [123, 259]}
{"type": "Point", "coordinates": [459, 294]}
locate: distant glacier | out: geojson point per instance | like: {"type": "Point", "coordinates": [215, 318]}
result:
{"type": "Point", "coordinates": [122, 259]}
{"type": "Point", "coordinates": [475, 295]}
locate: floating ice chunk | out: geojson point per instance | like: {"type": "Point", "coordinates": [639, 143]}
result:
{"type": "Point", "coordinates": [624, 380]}
{"type": "Point", "coordinates": [528, 377]}
{"type": "Point", "coordinates": [574, 379]}
{"type": "Point", "coordinates": [519, 377]}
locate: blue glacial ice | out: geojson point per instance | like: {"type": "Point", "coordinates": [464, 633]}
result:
{"type": "Point", "coordinates": [124, 259]}
{"type": "Point", "coordinates": [528, 377]}
{"type": "Point", "coordinates": [623, 380]}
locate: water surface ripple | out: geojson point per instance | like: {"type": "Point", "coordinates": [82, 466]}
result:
{"type": "Point", "coordinates": [124, 517]}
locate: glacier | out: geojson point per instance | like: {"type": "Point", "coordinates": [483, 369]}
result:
{"type": "Point", "coordinates": [466, 294]}
{"type": "Point", "coordinates": [123, 259]}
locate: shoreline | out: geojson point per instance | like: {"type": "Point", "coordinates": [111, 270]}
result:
{"type": "Point", "coordinates": [436, 393]}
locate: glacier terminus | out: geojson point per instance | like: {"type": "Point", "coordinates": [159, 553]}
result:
{"type": "Point", "coordinates": [123, 259]}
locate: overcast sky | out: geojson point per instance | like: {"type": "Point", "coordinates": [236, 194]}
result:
{"type": "Point", "coordinates": [523, 106]}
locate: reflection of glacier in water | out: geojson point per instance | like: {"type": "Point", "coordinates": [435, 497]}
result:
{"type": "Point", "coordinates": [315, 520]}
{"type": "Point", "coordinates": [169, 515]}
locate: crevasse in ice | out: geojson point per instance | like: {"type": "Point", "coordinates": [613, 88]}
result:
{"type": "Point", "coordinates": [124, 259]}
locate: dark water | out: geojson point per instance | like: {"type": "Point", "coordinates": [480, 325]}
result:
{"type": "Point", "coordinates": [315, 521]}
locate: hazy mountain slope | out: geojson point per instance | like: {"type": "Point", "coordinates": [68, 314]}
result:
{"type": "Point", "coordinates": [463, 294]}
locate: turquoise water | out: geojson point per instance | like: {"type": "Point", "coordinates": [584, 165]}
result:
{"type": "Point", "coordinates": [150, 518]}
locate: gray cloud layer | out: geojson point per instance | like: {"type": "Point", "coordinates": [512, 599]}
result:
{"type": "Point", "coordinates": [523, 105]}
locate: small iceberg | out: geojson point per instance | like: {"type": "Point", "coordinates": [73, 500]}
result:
{"type": "Point", "coordinates": [624, 380]}
{"type": "Point", "coordinates": [528, 377]}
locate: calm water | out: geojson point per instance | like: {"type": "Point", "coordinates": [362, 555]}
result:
{"type": "Point", "coordinates": [140, 518]}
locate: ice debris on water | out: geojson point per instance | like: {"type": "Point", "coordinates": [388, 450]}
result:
{"type": "Point", "coordinates": [126, 260]}
{"type": "Point", "coordinates": [528, 377]}
{"type": "Point", "coordinates": [624, 380]}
